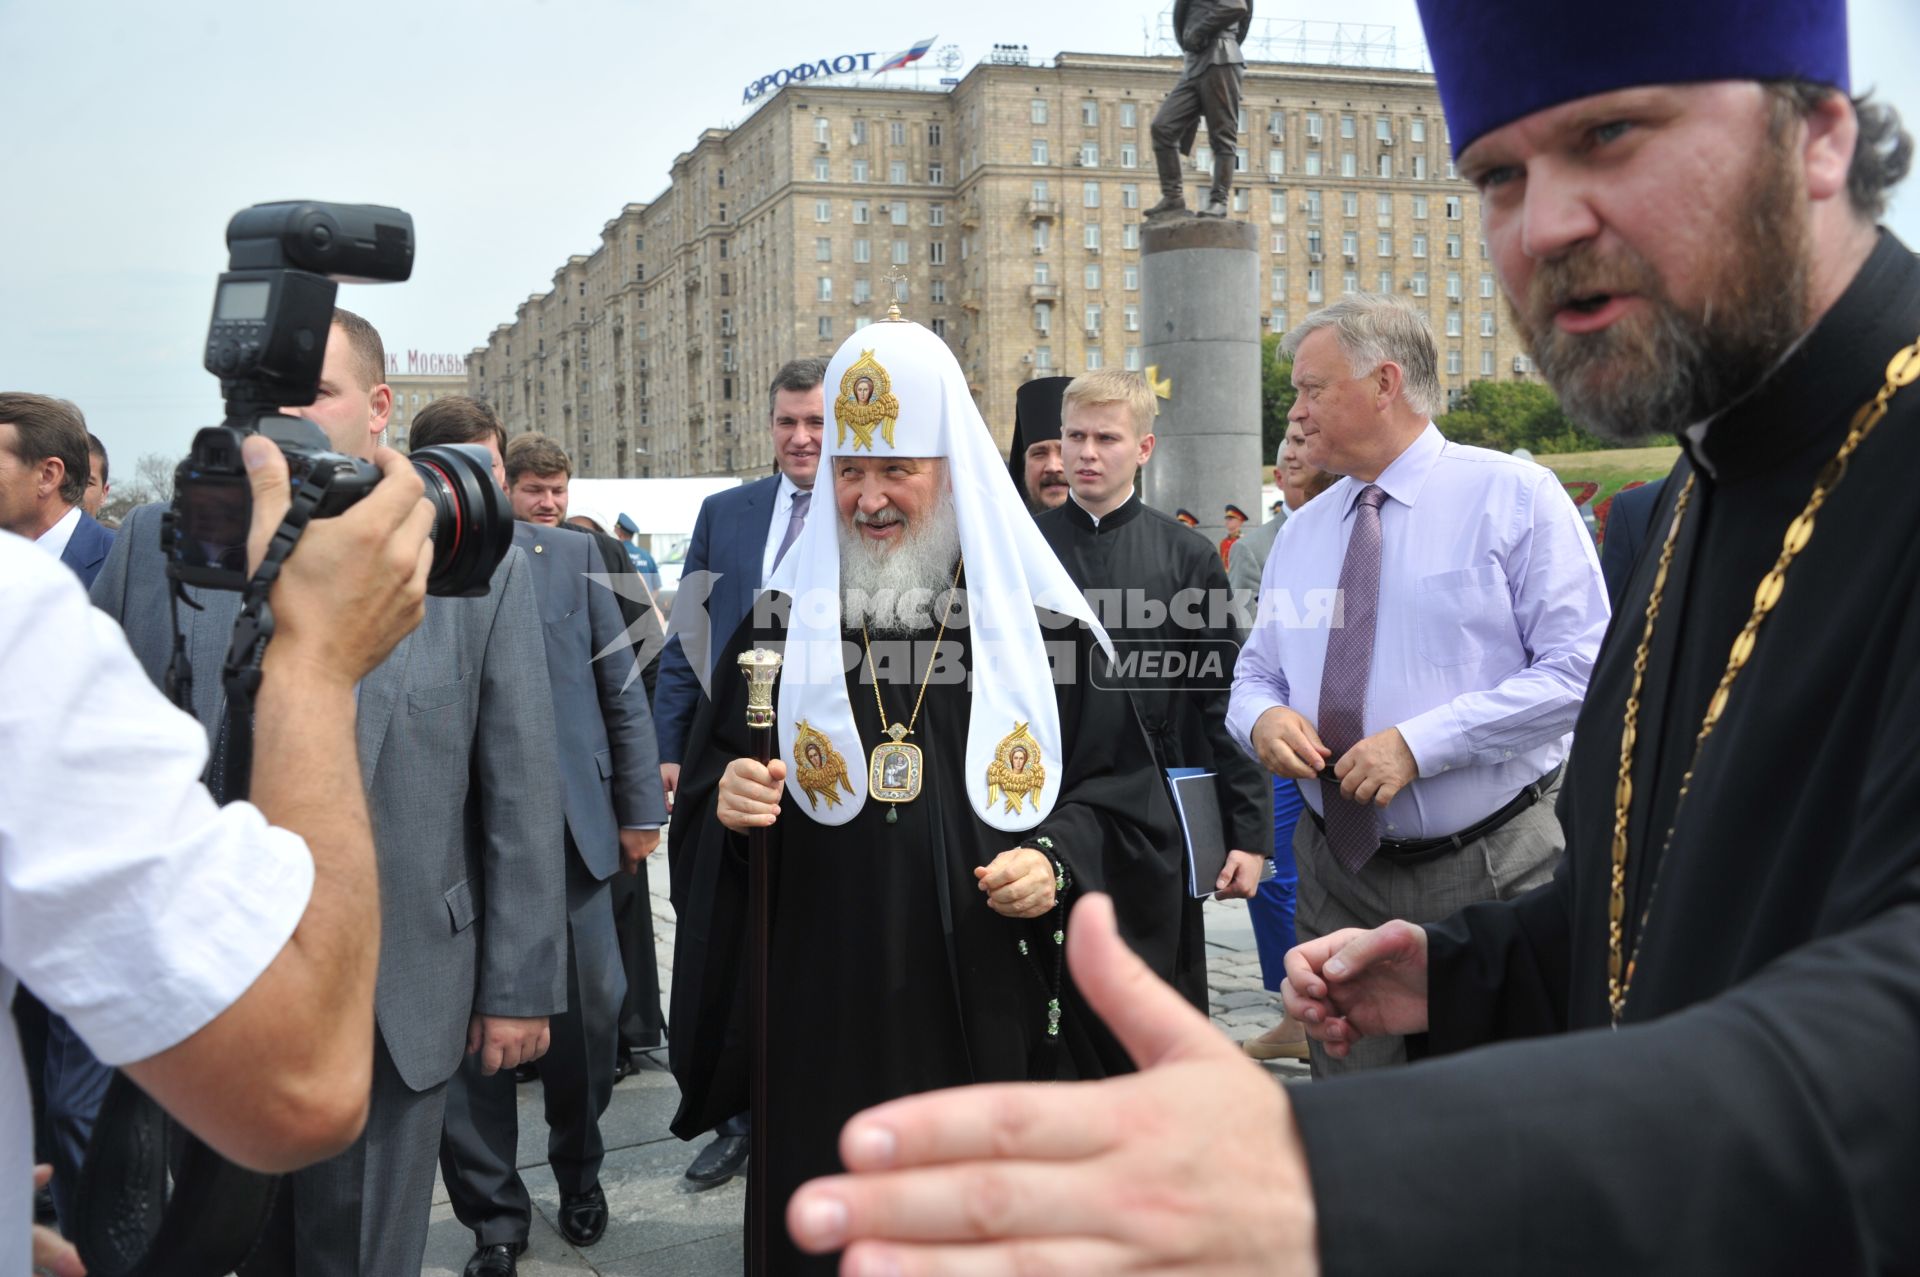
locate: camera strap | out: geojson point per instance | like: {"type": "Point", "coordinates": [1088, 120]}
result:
{"type": "Point", "coordinates": [127, 1223]}
{"type": "Point", "coordinates": [240, 677]}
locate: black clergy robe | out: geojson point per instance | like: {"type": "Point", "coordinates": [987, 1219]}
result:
{"type": "Point", "coordinates": [1759, 1109]}
{"type": "Point", "coordinates": [890, 974]}
{"type": "Point", "coordinates": [1158, 586]}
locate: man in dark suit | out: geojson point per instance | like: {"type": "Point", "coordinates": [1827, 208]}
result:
{"type": "Point", "coordinates": [1629, 528]}
{"type": "Point", "coordinates": [610, 784]}
{"type": "Point", "coordinates": [456, 749]}
{"type": "Point", "coordinates": [738, 538]}
{"type": "Point", "coordinates": [43, 481]}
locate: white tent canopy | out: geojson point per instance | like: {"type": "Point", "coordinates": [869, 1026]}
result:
{"type": "Point", "coordinates": [659, 506]}
{"type": "Point", "coordinates": [664, 508]}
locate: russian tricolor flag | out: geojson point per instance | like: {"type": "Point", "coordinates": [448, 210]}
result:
{"type": "Point", "coordinates": [918, 51]}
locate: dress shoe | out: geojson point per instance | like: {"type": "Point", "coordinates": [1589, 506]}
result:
{"type": "Point", "coordinates": [498, 1260]}
{"type": "Point", "coordinates": [1216, 207]}
{"type": "Point", "coordinates": [524, 1073]}
{"type": "Point", "coordinates": [1167, 207]}
{"type": "Point", "coordinates": [583, 1216]}
{"type": "Point", "coordinates": [625, 1065]}
{"type": "Point", "coordinates": [719, 1162]}
{"type": "Point", "coordinates": [1284, 1041]}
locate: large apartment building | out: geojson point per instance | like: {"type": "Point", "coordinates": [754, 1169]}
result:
{"type": "Point", "coordinates": [1004, 213]}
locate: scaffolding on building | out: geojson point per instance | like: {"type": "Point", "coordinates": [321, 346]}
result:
{"type": "Point", "coordinates": [1308, 40]}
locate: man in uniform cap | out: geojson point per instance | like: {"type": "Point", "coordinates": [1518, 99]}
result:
{"type": "Point", "coordinates": [1235, 519]}
{"type": "Point", "coordinates": [626, 529]}
{"type": "Point", "coordinates": [1034, 457]}
{"type": "Point", "coordinates": [940, 793]}
{"type": "Point", "coordinates": [1711, 1015]}
{"type": "Point", "coordinates": [1186, 516]}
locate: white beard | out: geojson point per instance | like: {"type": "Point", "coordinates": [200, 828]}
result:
{"type": "Point", "coordinates": [891, 587]}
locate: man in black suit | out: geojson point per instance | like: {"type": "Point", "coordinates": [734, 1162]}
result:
{"type": "Point", "coordinates": [43, 480]}
{"type": "Point", "coordinates": [1629, 528]}
{"type": "Point", "coordinates": [738, 538]}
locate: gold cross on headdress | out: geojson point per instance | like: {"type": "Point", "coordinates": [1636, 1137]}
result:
{"type": "Point", "coordinates": [1162, 388]}
{"type": "Point", "coordinates": [898, 279]}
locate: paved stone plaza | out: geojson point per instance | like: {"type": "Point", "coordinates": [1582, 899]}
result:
{"type": "Point", "coordinates": [660, 1228]}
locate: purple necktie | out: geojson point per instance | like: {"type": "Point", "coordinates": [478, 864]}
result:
{"type": "Point", "coordinates": [794, 523]}
{"type": "Point", "coordinates": [1353, 829]}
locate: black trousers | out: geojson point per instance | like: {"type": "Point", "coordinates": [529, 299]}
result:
{"type": "Point", "coordinates": [643, 1025]}
{"type": "Point", "coordinates": [477, 1150]}
{"type": "Point", "coordinates": [1214, 95]}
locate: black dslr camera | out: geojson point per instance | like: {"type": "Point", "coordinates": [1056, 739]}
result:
{"type": "Point", "coordinates": [267, 342]}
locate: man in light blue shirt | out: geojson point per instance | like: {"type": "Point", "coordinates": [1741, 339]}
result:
{"type": "Point", "coordinates": [1422, 648]}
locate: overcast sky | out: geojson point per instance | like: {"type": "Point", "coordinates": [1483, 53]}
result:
{"type": "Point", "coordinates": [511, 130]}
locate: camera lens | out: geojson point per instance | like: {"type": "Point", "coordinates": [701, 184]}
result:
{"type": "Point", "coordinates": [472, 522]}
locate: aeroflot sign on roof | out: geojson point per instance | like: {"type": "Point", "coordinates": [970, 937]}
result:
{"type": "Point", "coordinates": [845, 64]}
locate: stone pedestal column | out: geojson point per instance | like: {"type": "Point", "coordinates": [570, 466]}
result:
{"type": "Point", "coordinates": [1200, 280]}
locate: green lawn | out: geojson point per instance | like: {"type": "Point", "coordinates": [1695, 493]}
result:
{"type": "Point", "coordinates": [1609, 471]}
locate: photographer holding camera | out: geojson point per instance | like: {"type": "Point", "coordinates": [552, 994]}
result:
{"type": "Point", "coordinates": [454, 749]}
{"type": "Point", "coordinates": [224, 957]}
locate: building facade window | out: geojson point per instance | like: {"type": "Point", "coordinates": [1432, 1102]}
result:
{"type": "Point", "coordinates": [1090, 195]}
{"type": "Point", "coordinates": [1129, 115]}
{"type": "Point", "coordinates": [1039, 150]}
{"type": "Point", "coordinates": [1090, 277]}
{"type": "Point", "coordinates": [1129, 155]}
{"type": "Point", "coordinates": [822, 211]}
{"type": "Point", "coordinates": [1089, 112]}
{"type": "Point", "coordinates": [1130, 278]}
{"type": "Point", "coordinates": [897, 172]}
{"type": "Point", "coordinates": [862, 213]}
{"type": "Point", "coordinates": [823, 250]}
{"type": "Point", "coordinates": [822, 129]}
{"type": "Point", "coordinates": [822, 171]}
{"type": "Point", "coordinates": [1037, 111]}
{"type": "Point", "coordinates": [859, 171]}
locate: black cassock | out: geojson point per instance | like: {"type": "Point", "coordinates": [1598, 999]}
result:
{"type": "Point", "coordinates": [1159, 588]}
{"type": "Point", "coordinates": [1759, 1109]}
{"type": "Point", "coordinates": [889, 973]}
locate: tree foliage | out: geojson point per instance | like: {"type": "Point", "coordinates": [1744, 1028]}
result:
{"type": "Point", "coordinates": [1505, 415]}
{"type": "Point", "coordinates": [1276, 396]}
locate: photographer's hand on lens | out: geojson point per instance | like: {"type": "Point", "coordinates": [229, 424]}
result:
{"type": "Point", "coordinates": [355, 585]}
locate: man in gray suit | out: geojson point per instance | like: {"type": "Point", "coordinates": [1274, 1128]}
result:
{"type": "Point", "coordinates": [455, 740]}
{"type": "Point", "coordinates": [1210, 32]}
{"type": "Point", "coordinates": [610, 781]}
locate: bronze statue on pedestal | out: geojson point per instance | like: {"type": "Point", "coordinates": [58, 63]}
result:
{"type": "Point", "coordinates": [1210, 31]}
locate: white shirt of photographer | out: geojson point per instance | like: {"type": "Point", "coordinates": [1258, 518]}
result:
{"type": "Point", "coordinates": [129, 902]}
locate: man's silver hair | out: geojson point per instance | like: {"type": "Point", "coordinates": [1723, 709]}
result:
{"type": "Point", "coordinates": [893, 587]}
{"type": "Point", "coordinates": [1373, 330]}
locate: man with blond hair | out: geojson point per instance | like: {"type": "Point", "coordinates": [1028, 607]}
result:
{"type": "Point", "coordinates": [1164, 598]}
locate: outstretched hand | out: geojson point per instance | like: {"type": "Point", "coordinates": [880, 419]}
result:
{"type": "Point", "coordinates": [1355, 983]}
{"type": "Point", "coordinates": [1131, 1173]}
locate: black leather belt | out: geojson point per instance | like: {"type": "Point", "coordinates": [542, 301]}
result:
{"type": "Point", "coordinates": [1413, 851]}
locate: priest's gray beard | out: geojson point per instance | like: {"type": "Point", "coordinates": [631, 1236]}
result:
{"type": "Point", "coordinates": [1674, 367]}
{"type": "Point", "coordinates": [892, 587]}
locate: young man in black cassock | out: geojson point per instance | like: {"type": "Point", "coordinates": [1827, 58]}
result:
{"type": "Point", "coordinates": [922, 873]}
{"type": "Point", "coordinates": [1708, 1023]}
{"type": "Point", "coordinates": [1164, 598]}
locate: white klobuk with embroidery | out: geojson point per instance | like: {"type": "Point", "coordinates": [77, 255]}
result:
{"type": "Point", "coordinates": [895, 390]}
